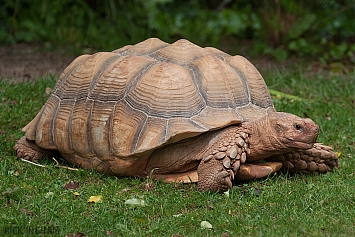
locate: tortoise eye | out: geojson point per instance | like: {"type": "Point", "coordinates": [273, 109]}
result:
{"type": "Point", "coordinates": [297, 127]}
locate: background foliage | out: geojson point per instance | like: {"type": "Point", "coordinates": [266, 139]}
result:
{"type": "Point", "coordinates": [321, 29]}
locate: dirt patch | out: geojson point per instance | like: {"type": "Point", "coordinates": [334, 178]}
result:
{"type": "Point", "coordinates": [28, 61]}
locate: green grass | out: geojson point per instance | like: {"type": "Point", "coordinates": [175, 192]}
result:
{"type": "Point", "coordinates": [34, 197]}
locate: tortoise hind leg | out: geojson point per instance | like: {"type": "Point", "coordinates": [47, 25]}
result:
{"type": "Point", "coordinates": [29, 150]}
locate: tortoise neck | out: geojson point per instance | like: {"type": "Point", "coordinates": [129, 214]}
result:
{"type": "Point", "coordinates": [262, 140]}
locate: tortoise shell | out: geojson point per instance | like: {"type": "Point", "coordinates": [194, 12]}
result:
{"type": "Point", "coordinates": [140, 97]}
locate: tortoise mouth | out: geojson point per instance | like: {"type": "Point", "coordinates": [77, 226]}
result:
{"type": "Point", "coordinates": [301, 144]}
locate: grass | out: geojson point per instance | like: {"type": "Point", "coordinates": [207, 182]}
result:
{"type": "Point", "coordinates": [34, 201]}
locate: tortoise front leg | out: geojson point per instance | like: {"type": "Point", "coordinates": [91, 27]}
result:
{"type": "Point", "coordinates": [320, 158]}
{"type": "Point", "coordinates": [223, 160]}
{"type": "Point", "coordinates": [29, 150]}
{"type": "Point", "coordinates": [213, 176]}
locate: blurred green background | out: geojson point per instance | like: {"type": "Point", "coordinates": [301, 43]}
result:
{"type": "Point", "coordinates": [321, 30]}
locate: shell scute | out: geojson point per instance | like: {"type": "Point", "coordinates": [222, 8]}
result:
{"type": "Point", "coordinates": [62, 136]}
{"type": "Point", "coordinates": [100, 127]}
{"type": "Point", "coordinates": [125, 130]}
{"type": "Point", "coordinates": [152, 133]}
{"type": "Point", "coordinates": [163, 91]}
{"type": "Point", "coordinates": [43, 128]}
{"type": "Point", "coordinates": [221, 84]}
{"type": "Point", "coordinates": [110, 84]}
{"type": "Point", "coordinates": [259, 95]}
{"type": "Point", "coordinates": [143, 48]}
{"type": "Point", "coordinates": [79, 128]}
{"type": "Point", "coordinates": [181, 52]}
{"type": "Point", "coordinates": [76, 82]}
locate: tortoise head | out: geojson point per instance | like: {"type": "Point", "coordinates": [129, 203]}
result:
{"type": "Point", "coordinates": [278, 133]}
{"type": "Point", "coordinates": [293, 131]}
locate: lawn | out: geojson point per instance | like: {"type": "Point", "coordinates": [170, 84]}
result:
{"type": "Point", "coordinates": [37, 200]}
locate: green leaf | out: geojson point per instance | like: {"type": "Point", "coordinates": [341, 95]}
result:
{"type": "Point", "coordinates": [49, 194]}
{"type": "Point", "coordinates": [95, 199]}
{"type": "Point", "coordinates": [206, 225]}
{"type": "Point", "coordinates": [10, 191]}
{"type": "Point", "coordinates": [279, 94]}
{"type": "Point", "coordinates": [135, 202]}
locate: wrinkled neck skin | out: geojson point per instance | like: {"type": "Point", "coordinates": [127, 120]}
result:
{"type": "Point", "coordinates": [263, 141]}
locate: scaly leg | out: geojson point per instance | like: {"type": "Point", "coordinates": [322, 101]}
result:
{"type": "Point", "coordinates": [29, 150]}
{"type": "Point", "coordinates": [222, 161]}
{"type": "Point", "coordinates": [212, 176]}
{"type": "Point", "coordinates": [320, 159]}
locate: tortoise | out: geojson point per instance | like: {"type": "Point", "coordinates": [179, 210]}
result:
{"type": "Point", "coordinates": [178, 112]}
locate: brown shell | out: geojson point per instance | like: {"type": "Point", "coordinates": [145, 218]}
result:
{"type": "Point", "coordinates": [141, 97]}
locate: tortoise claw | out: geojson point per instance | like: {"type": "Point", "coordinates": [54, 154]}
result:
{"type": "Point", "coordinates": [228, 182]}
